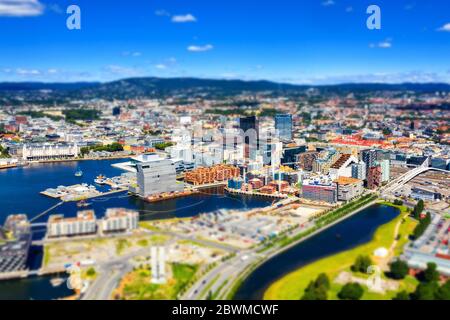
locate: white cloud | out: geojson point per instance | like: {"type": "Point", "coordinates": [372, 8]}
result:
{"type": "Point", "coordinates": [204, 48]}
{"type": "Point", "coordinates": [383, 44]}
{"type": "Point", "coordinates": [161, 66]}
{"type": "Point", "coordinates": [328, 3]}
{"type": "Point", "coordinates": [445, 28]}
{"type": "Point", "coordinates": [184, 18]}
{"type": "Point", "coordinates": [28, 72]}
{"type": "Point", "coordinates": [21, 8]}
{"type": "Point", "coordinates": [52, 71]}
{"type": "Point", "coordinates": [380, 77]}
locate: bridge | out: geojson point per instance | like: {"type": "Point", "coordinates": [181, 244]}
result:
{"type": "Point", "coordinates": [407, 177]}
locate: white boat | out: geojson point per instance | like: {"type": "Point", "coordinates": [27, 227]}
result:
{"type": "Point", "coordinates": [56, 282]}
{"type": "Point", "coordinates": [79, 173]}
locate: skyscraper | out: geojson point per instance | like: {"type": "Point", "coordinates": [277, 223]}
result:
{"type": "Point", "coordinates": [283, 125]}
{"type": "Point", "coordinates": [248, 123]}
{"type": "Point", "coordinates": [369, 157]}
{"type": "Point", "coordinates": [250, 128]}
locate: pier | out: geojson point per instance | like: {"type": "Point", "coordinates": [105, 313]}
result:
{"type": "Point", "coordinates": [259, 194]}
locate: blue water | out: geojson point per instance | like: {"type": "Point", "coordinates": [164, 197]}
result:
{"type": "Point", "coordinates": [354, 231]}
{"type": "Point", "coordinates": [20, 193]}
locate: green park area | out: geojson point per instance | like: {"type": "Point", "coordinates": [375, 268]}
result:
{"type": "Point", "coordinates": [137, 285]}
{"type": "Point", "coordinates": [392, 236]}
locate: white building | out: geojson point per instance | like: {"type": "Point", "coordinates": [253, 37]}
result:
{"type": "Point", "coordinates": [343, 166]}
{"type": "Point", "coordinates": [50, 151]}
{"type": "Point", "coordinates": [119, 220]}
{"type": "Point", "coordinates": [84, 223]}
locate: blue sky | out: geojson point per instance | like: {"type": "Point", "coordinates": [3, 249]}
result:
{"type": "Point", "coordinates": [297, 41]}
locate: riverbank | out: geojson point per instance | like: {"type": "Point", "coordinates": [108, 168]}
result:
{"type": "Point", "coordinates": [292, 286]}
{"type": "Point", "coordinates": [284, 244]}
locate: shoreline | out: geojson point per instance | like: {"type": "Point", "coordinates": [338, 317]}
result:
{"type": "Point", "coordinates": [270, 293]}
{"type": "Point", "coordinates": [272, 255]}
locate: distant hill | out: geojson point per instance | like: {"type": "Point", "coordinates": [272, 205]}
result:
{"type": "Point", "coordinates": [183, 87]}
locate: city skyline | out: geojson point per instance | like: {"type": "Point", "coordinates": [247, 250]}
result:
{"type": "Point", "coordinates": [312, 42]}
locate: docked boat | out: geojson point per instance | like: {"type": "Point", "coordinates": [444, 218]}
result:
{"type": "Point", "coordinates": [83, 204]}
{"type": "Point", "coordinates": [56, 282]}
{"type": "Point", "coordinates": [79, 173]}
{"type": "Point", "coordinates": [101, 179]}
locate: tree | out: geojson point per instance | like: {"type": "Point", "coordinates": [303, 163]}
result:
{"type": "Point", "coordinates": [402, 295]}
{"type": "Point", "coordinates": [398, 269]}
{"type": "Point", "coordinates": [387, 131]}
{"type": "Point", "coordinates": [361, 264]}
{"type": "Point", "coordinates": [431, 274]}
{"type": "Point", "coordinates": [91, 272]}
{"type": "Point", "coordinates": [323, 281]}
{"type": "Point", "coordinates": [317, 290]}
{"type": "Point", "coordinates": [444, 291]}
{"type": "Point", "coordinates": [420, 206]}
{"type": "Point", "coordinates": [351, 291]}
{"type": "Point", "coordinates": [426, 291]}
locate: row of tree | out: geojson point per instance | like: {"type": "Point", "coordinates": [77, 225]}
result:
{"type": "Point", "coordinates": [428, 288]}
{"type": "Point", "coordinates": [113, 147]}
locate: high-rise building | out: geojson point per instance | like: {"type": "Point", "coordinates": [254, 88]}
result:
{"type": "Point", "coordinates": [250, 129]}
{"type": "Point", "coordinates": [374, 177]}
{"type": "Point", "coordinates": [369, 157]}
{"type": "Point", "coordinates": [248, 123]}
{"type": "Point", "coordinates": [385, 170]}
{"type": "Point", "coordinates": [359, 171]}
{"type": "Point", "coordinates": [156, 175]}
{"type": "Point", "coordinates": [283, 125]}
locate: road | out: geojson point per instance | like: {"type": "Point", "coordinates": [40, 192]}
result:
{"type": "Point", "coordinates": [109, 276]}
{"type": "Point", "coordinates": [221, 276]}
{"type": "Point", "coordinates": [110, 273]}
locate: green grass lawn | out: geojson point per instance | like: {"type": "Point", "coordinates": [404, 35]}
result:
{"type": "Point", "coordinates": [292, 286]}
{"type": "Point", "coordinates": [139, 286]}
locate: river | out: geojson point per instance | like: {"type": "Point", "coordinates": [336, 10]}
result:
{"type": "Point", "coordinates": [352, 232]}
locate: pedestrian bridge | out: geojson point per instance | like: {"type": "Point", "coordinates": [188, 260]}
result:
{"type": "Point", "coordinates": [407, 177]}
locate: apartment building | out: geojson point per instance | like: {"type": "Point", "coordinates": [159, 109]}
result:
{"type": "Point", "coordinates": [83, 224]}
{"type": "Point", "coordinates": [119, 220]}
